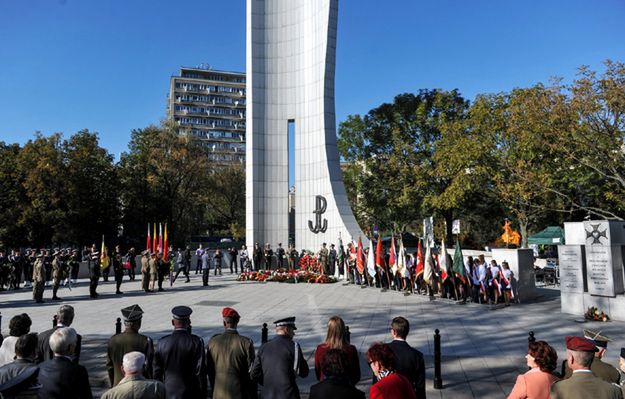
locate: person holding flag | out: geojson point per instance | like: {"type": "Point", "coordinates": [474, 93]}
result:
{"type": "Point", "coordinates": [340, 260]}
{"type": "Point", "coordinates": [428, 272]}
{"type": "Point", "coordinates": [360, 264]}
{"type": "Point", "coordinates": [459, 271]}
{"type": "Point", "coordinates": [443, 261]}
{"type": "Point", "coordinates": [370, 263]}
{"type": "Point", "coordinates": [383, 279]}
{"type": "Point", "coordinates": [419, 266]}
{"type": "Point", "coordinates": [392, 264]}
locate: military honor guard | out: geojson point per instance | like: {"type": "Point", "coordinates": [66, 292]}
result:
{"type": "Point", "coordinates": [179, 358]}
{"type": "Point", "coordinates": [267, 256]}
{"type": "Point", "coordinates": [94, 273]}
{"type": "Point", "coordinates": [280, 256]}
{"type": "Point", "coordinates": [229, 357]}
{"type": "Point", "coordinates": [279, 362]}
{"type": "Point", "coordinates": [598, 367]}
{"type": "Point", "coordinates": [292, 257]}
{"type": "Point", "coordinates": [323, 258]}
{"type": "Point", "coordinates": [39, 278]}
{"type": "Point", "coordinates": [128, 341]}
{"type": "Point", "coordinates": [134, 385]}
{"type": "Point", "coordinates": [57, 273]}
{"type": "Point", "coordinates": [118, 268]}
{"type": "Point", "coordinates": [583, 384]}
{"type": "Point", "coordinates": [257, 255]}
{"type": "Point", "coordinates": [145, 270]}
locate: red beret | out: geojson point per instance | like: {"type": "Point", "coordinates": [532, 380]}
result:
{"type": "Point", "coordinates": [229, 312]}
{"type": "Point", "coordinates": [580, 344]}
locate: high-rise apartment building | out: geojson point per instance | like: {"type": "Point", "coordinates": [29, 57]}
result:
{"type": "Point", "coordinates": [209, 105]}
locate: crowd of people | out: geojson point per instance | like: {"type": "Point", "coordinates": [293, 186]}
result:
{"type": "Point", "coordinates": [181, 365]}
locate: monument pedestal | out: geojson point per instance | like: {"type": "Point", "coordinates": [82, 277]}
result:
{"type": "Point", "coordinates": [521, 263]}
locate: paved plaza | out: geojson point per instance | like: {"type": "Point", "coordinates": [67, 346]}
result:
{"type": "Point", "coordinates": [483, 350]}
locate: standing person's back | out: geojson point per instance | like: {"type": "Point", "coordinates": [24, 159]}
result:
{"type": "Point", "coordinates": [408, 361]}
{"type": "Point", "coordinates": [179, 359]}
{"type": "Point", "coordinates": [60, 377]}
{"type": "Point", "coordinates": [336, 382]}
{"type": "Point", "coordinates": [134, 385]}
{"type": "Point", "coordinates": [229, 357]}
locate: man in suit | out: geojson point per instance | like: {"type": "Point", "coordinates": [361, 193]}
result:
{"type": "Point", "coordinates": [60, 377]}
{"type": "Point", "coordinates": [25, 352]}
{"type": "Point", "coordinates": [279, 362]}
{"type": "Point", "coordinates": [229, 357]}
{"type": "Point", "coordinates": [179, 359]}
{"type": "Point", "coordinates": [598, 367]}
{"type": "Point", "coordinates": [580, 353]}
{"type": "Point", "coordinates": [65, 317]}
{"type": "Point", "coordinates": [134, 385]}
{"type": "Point", "coordinates": [408, 361]}
{"type": "Point", "coordinates": [128, 341]}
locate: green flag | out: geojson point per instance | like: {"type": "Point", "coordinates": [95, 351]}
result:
{"type": "Point", "coordinates": [458, 266]}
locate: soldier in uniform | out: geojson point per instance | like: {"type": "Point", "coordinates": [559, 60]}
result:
{"type": "Point", "coordinates": [280, 256]}
{"type": "Point", "coordinates": [292, 257]}
{"type": "Point", "coordinates": [134, 385]}
{"type": "Point", "coordinates": [323, 258]}
{"type": "Point", "coordinates": [145, 270]}
{"type": "Point", "coordinates": [47, 265]}
{"type": "Point", "coordinates": [132, 258]}
{"type": "Point", "coordinates": [118, 269]}
{"type": "Point", "coordinates": [18, 267]}
{"type": "Point", "coordinates": [598, 367]}
{"type": "Point", "coordinates": [153, 266]}
{"type": "Point", "coordinates": [162, 269]}
{"type": "Point", "coordinates": [74, 266]}
{"type": "Point", "coordinates": [229, 357]}
{"type": "Point", "coordinates": [179, 359]}
{"type": "Point", "coordinates": [21, 265]}
{"type": "Point", "coordinates": [279, 362]}
{"type": "Point", "coordinates": [94, 273]}
{"type": "Point", "coordinates": [583, 383]}
{"type": "Point", "coordinates": [57, 273]}
{"type": "Point", "coordinates": [257, 256]}
{"type": "Point", "coordinates": [332, 256]}
{"type": "Point", "coordinates": [128, 341]}
{"type": "Point", "coordinates": [39, 278]}
{"type": "Point", "coordinates": [267, 255]}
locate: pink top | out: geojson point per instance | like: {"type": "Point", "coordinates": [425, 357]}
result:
{"type": "Point", "coordinates": [534, 384]}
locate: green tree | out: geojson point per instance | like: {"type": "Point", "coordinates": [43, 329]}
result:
{"type": "Point", "coordinates": [224, 197]}
{"type": "Point", "coordinates": [12, 196]}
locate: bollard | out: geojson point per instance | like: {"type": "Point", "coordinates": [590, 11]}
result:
{"type": "Point", "coordinates": [438, 380]}
{"type": "Point", "coordinates": [55, 321]}
{"type": "Point", "coordinates": [118, 326]}
{"type": "Point", "coordinates": [348, 335]}
{"type": "Point", "coordinates": [531, 337]}
{"type": "Point", "coordinates": [264, 334]}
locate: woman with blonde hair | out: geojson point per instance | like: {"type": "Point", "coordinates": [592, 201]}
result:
{"type": "Point", "coordinates": [336, 338]}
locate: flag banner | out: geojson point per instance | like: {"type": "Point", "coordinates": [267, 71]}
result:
{"type": "Point", "coordinates": [419, 260]}
{"type": "Point", "coordinates": [401, 258]}
{"type": "Point", "coordinates": [443, 261]}
{"type": "Point", "coordinates": [392, 263]}
{"type": "Point", "coordinates": [360, 264]}
{"type": "Point", "coordinates": [154, 242]}
{"type": "Point", "coordinates": [149, 240]}
{"type": "Point", "coordinates": [341, 259]}
{"type": "Point", "coordinates": [428, 267]}
{"type": "Point", "coordinates": [379, 254]}
{"type": "Point", "coordinates": [371, 259]}
{"type": "Point", "coordinates": [160, 238]}
{"type": "Point", "coordinates": [165, 244]}
{"type": "Point", "coordinates": [458, 265]}
{"type": "Point", "coordinates": [428, 231]}
{"type": "Point", "coordinates": [455, 227]}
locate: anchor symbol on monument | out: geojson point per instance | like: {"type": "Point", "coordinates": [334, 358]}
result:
{"type": "Point", "coordinates": [320, 226]}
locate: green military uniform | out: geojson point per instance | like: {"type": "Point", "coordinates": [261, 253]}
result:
{"type": "Point", "coordinates": [323, 259]}
{"type": "Point", "coordinates": [229, 357]}
{"type": "Point", "coordinates": [584, 385]}
{"type": "Point", "coordinates": [57, 274]}
{"type": "Point", "coordinates": [39, 279]}
{"type": "Point", "coordinates": [128, 341]}
{"type": "Point", "coordinates": [598, 367]}
{"type": "Point", "coordinates": [136, 386]}
{"type": "Point", "coordinates": [145, 271]}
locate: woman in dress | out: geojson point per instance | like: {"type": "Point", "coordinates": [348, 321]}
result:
{"type": "Point", "coordinates": [542, 360]}
{"type": "Point", "coordinates": [389, 384]}
{"type": "Point", "coordinates": [336, 338]}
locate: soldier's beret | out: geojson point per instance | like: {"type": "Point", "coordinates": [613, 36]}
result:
{"type": "Point", "coordinates": [132, 313]}
{"type": "Point", "coordinates": [600, 339]}
{"type": "Point", "coordinates": [287, 321]}
{"type": "Point", "coordinates": [580, 344]}
{"type": "Point", "coordinates": [623, 353]}
{"type": "Point", "coordinates": [24, 381]}
{"type": "Point", "coordinates": [181, 312]}
{"type": "Point", "coordinates": [229, 312]}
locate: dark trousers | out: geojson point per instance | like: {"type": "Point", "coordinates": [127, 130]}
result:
{"type": "Point", "coordinates": [74, 271]}
{"type": "Point", "coordinates": [182, 269]}
{"type": "Point", "coordinates": [131, 272]}
{"type": "Point", "coordinates": [17, 279]}
{"type": "Point", "coordinates": [218, 266]}
{"type": "Point", "coordinates": [105, 273]}
{"type": "Point", "coordinates": [332, 266]}
{"type": "Point", "coordinates": [28, 272]}
{"type": "Point", "coordinates": [161, 277]}
{"type": "Point", "coordinates": [233, 263]}
{"type": "Point", "coordinates": [205, 274]}
{"type": "Point", "coordinates": [119, 277]}
{"type": "Point", "coordinates": [93, 285]}
{"type": "Point", "coordinates": [198, 265]}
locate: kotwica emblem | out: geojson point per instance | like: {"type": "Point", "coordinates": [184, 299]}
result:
{"type": "Point", "coordinates": [320, 225]}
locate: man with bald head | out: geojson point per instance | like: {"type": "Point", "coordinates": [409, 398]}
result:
{"type": "Point", "coordinates": [134, 385]}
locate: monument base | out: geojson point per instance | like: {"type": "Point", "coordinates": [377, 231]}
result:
{"type": "Point", "coordinates": [578, 304]}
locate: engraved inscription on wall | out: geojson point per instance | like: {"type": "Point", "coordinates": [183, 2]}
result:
{"type": "Point", "coordinates": [571, 259]}
{"type": "Point", "coordinates": [599, 270]}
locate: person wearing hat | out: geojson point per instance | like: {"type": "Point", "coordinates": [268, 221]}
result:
{"type": "Point", "coordinates": [117, 264]}
{"type": "Point", "coordinates": [39, 279]}
{"type": "Point", "coordinates": [179, 358]}
{"type": "Point", "coordinates": [94, 273]}
{"type": "Point", "coordinates": [257, 256]}
{"type": "Point", "coordinates": [228, 358]}
{"type": "Point", "coordinates": [280, 256]}
{"type": "Point", "coordinates": [128, 341]}
{"type": "Point", "coordinates": [323, 258]}
{"type": "Point", "coordinates": [279, 362]}
{"type": "Point", "coordinates": [74, 266]}
{"type": "Point", "coordinates": [598, 367]}
{"type": "Point", "coordinates": [153, 263]}
{"type": "Point", "coordinates": [583, 384]}
{"type": "Point", "coordinates": [268, 256]}
{"type": "Point", "coordinates": [57, 271]}
{"type": "Point", "coordinates": [145, 270]}
{"type": "Point", "coordinates": [332, 258]}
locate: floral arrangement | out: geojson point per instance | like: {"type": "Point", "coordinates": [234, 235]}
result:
{"type": "Point", "coordinates": [593, 314]}
{"type": "Point", "coordinates": [309, 263]}
{"type": "Point", "coordinates": [290, 276]}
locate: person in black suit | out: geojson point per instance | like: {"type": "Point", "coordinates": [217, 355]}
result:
{"type": "Point", "coordinates": [59, 377]}
{"type": "Point", "coordinates": [408, 361]}
{"type": "Point", "coordinates": [65, 317]}
{"type": "Point", "coordinates": [179, 359]}
{"type": "Point", "coordinates": [16, 372]}
{"type": "Point", "coordinates": [336, 383]}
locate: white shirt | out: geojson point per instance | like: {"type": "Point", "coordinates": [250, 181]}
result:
{"type": "Point", "coordinates": [7, 350]}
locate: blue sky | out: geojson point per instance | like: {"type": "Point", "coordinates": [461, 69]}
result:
{"type": "Point", "coordinates": [66, 65]}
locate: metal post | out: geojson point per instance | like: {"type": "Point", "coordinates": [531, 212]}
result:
{"type": "Point", "coordinates": [531, 337]}
{"type": "Point", "coordinates": [438, 380]}
{"type": "Point", "coordinates": [264, 333]}
{"type": "Point", "coordinates": [55, 321]}
{"type": "Point", "coordinates": [348, 335]}
{"type": "Point", "coordinates": [118, 326]}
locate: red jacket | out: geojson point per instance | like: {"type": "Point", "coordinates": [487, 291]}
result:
{"type": "Point", "coordinates": [393, 386]}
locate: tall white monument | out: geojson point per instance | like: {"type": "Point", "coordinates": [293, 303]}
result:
{"type": "Point", "coordinates": [291, 52]}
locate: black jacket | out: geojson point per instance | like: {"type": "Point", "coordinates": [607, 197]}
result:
{"type": "Point", "coordinates": [62, 379]}
{"type": "Point", "coordinates": [335, 388]}
{"type": "Point", "coordinates": [179, 362]}
{"type": "Point", "coordinates": [409, 363]}
{"type": "Point", "coordinates": [43, 348]}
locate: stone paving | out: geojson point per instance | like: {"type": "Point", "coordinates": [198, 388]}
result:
{"type": "Point", "coordinates": [483, 350]}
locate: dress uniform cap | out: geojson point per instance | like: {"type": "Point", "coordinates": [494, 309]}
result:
{"type": "Point", "coordinates": [600, 339]}
{"type": "Point", "coordinates": [580, 344]}
{"type": "Point", "coordinates": [132, 313]}
{"type": "Point", "coordinates": [229, 312]}
{"type": "Point", "coordinates": [181, 312]}
{"type": "Point", "coordinates": [288, 321]}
